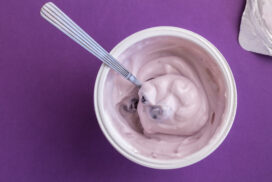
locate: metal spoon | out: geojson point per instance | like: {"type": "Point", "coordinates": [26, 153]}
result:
{"type": "Point", "coordinates": [56, 17]}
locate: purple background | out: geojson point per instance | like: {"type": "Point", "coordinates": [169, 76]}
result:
{"type": "Point", "coordinates": [48, 128]}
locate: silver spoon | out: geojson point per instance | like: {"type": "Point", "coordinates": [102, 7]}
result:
{"type": "Point", "coordinates": [56, 17]}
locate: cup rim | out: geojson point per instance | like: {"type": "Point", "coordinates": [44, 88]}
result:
{"type": "Point", "coordinates": [230, 108]}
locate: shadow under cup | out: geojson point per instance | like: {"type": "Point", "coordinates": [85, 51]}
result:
{"type": "Point", "coordinates": [208, 63]}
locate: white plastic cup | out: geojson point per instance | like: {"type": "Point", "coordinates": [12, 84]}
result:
{"type": "Point", "coordinates": [119, 143]}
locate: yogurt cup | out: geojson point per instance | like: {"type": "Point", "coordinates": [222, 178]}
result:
{"type": "Point", "coordinates": [111, 132]}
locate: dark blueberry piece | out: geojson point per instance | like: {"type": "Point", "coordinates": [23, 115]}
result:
{"type": "Point", "coordinates": [131, 106]}
{"type": "Point", "coordinates": [134, 103]}
{"type": "Point", "coordinates": [156, 112]}
{"type": "Point", "coordinates": [154, 116]}
{"type": "Point", "coordinates": [143, 99]}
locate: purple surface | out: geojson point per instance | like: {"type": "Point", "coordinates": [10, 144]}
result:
{"type": "Point", "coordinates": [48, 129]}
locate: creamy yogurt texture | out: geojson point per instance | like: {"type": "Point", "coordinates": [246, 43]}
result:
{"type": "Point", "coordinates": [180, 105]}
{"type": "Point", "coordinates": [173, 104]}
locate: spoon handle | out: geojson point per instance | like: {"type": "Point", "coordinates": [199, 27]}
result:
{"type": "Point", "coordinates": [56, 17]}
